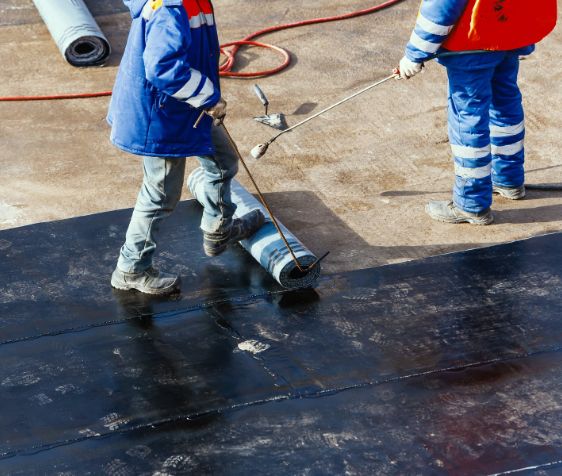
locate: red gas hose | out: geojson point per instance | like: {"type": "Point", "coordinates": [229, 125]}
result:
{"type": "Point", "coordinates": [228, 65]}
{"type": "Point", "coordinates": [56, 96]}
{"type": "Point", "coordinates": [226, 68]}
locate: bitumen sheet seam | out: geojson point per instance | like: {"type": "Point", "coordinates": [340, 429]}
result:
{"type": "Point", "coordinates": [279, 380]}
{"type": "Point", "coordinates": [156, 424]}
{"type": "Point", "coordinates": [552, 464]}
{"type": "Point", "coordinates": [162, 315]}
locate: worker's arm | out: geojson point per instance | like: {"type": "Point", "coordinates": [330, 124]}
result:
{"type": "Point", "coordinates": [435, 21]}
{"type": "Point", "coordinates": [166, 60]}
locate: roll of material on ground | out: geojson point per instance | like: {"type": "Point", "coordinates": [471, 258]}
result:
{"type": "Point", "coordinates": [75, 31]}
{"type": "Point", "coordinates": [266, 246]}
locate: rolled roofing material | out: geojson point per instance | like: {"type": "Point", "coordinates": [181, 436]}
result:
{"type": "Point", "coordinates": [266, 246]}
{"type": "Point", "coordinates": [75, 31]}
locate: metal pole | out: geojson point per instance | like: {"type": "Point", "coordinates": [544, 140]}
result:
{"type": "Point", "coordinates": [333, 106]}
{"type": "Point", "coordinates": [264, 202]}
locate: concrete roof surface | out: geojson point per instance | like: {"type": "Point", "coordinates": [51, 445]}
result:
{"type": "Point", "coordinates": [354, 181]}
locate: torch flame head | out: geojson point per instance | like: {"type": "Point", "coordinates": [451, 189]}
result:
{"type": "Point", "coordinates": [258, 151]}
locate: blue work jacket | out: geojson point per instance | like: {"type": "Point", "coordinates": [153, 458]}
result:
{"type": "Point", "coordinates": [436, 19]}
{"type": "Point", "coordinates": [167, 76]}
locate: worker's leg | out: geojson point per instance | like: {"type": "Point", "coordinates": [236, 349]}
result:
{"type": "Point", "coordinates": [219, 169]}
{"type": "Point", "coordinates": [218, 225]}
{"type": "Point", "coordinates": [470, 96]}
{"type": "Point", "coordinates": [159, 195]}
{"type": "Point", "coordinates": [507, 130]}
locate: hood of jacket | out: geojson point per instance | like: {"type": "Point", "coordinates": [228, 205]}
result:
{"type": "Point", "coordinates": [135, 6]}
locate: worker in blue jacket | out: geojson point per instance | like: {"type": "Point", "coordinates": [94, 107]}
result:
{"type": "Point", "coordinates": [479, 42]}
{"type": "Point", "coordinates": [168, 75]}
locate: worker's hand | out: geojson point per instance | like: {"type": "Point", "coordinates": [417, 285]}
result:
{"type": "Point", "coordinates": [409, 69]}
{"type": "Point", "coordinates": [217, 112]}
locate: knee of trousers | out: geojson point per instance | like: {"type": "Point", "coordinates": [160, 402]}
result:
{"type": "Point", "coordinates": [163, 177]}
{"type": "Point", "coordinates": [149, 202]}
{"type": "Point", "coordinates": [226, 167]}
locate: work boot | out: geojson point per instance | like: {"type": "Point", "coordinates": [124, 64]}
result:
{"type": "Point", "coordinates": [448, 212]}
{"type": "Point", "coordinates": [513, 193]}
{"type": "Point", "coordinates": [215, 243]}
{"type": "Point", "coordinates": [150, 281]}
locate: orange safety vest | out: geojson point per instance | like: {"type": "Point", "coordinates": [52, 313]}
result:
{"type": "Point", "coordinates": [502, 24]}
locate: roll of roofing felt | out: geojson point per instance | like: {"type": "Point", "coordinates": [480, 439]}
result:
{"type": "Point", "coordinates": [75, 31]}
{"type": "Point", "coordinates": [266, 246]}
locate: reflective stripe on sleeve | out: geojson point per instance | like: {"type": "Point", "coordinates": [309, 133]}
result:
{"type": "Point", "coordinates": [476, 173]}
{"type": "Point", "coordinates": [190, 87]}
{"type": "Point", "coordinates": [205, 93]}
{"type": "Point", "coordinates": [202, 19]}
{"type": "Point", "coordinates": [505, 131]}
{"type": "Point", "coordinates": [423, 45]}
{"type": "Point", "coordinates": [510, 149]}
{"type": "Point", "coordinates": [433, 28]}
{"type": "Point", "coordinates": [464, 152]}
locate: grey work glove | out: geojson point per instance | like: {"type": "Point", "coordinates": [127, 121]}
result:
{"type": "Point", "coordinates": [217, 112]}
{"type": "Point", "coordinates": [408, 68]}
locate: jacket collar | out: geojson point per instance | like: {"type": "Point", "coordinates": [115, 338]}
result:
{"type": "Point", "coordinates": [135, 6]}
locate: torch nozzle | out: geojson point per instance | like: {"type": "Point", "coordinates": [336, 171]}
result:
{"type": "Point", "coordinates": [259, 151]}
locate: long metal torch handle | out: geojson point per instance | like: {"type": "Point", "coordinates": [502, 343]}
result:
{"type": "Point", "coordinates": [334, 105]}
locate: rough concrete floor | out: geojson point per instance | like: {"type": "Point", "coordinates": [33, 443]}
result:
{"type": "Point", "coordinates": [354, 182]}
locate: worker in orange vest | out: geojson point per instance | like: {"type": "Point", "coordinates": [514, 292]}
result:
{"type": "Point", "coordinates": [479, 42]}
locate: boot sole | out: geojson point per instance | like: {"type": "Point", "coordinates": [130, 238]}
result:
{"type": "Point", "coordinates": [463, 220]}
{"type": "Point", "coordinates": [214, 252]}
{"type": "Point", "coordinates": [126, 287]}
{"type": "Point", "coordinates": [457, 221]}
{"type": "Point", "coordinates": [509, 197]}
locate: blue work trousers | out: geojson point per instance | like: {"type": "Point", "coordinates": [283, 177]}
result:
{"type": "Point", "coordinates": [486, 131]}
{"type": "Point", "coordinates": [161, 191]}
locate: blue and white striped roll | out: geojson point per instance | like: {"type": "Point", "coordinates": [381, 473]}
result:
{"type": "Point", "coordinates": [266, 246]}
{"type": "Point", "coordinates": [75, 31]}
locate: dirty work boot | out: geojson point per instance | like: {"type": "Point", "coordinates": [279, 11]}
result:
{"type": "Point", "coordinates": [513, 193]}
{"type": "Point", "coordinates": [150, 281]}
{"type": "Point", "coordinates": [446, 211]}
{"type": "Point", "coordinates": [215, 243]}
